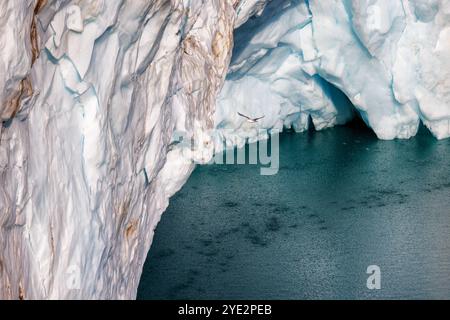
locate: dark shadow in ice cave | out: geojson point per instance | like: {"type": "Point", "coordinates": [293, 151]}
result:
{"type": "Point", "coordinates": [341, 201]}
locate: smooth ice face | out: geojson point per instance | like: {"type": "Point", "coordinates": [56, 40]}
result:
{"type": "Point", "coordinates": [387, 57]}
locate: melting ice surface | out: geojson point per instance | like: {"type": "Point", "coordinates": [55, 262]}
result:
{"type": "Point", "coordinates": [342, 200]}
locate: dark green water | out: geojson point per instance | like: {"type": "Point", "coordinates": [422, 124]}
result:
{"type": "Point", "coordinates": [342, 201]}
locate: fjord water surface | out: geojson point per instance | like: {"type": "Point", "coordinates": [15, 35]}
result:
{"type": "Point", "coordinates": [342, 200]}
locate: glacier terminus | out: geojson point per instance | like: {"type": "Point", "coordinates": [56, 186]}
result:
{"type": "Point", "coordinates": [92, 92]}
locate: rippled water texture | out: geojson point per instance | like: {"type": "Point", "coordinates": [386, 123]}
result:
{"type": "Point", "coordinates": [342, 201]}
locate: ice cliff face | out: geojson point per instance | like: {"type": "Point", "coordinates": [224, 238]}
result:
{"type": "Point", "coordinates": [92, 91]}
{"type": "Point", "coordinates": [84, 159]}
{"type": "Point", "coordinates": [390, 58]}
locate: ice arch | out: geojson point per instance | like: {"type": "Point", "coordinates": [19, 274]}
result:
{"type": "Point", "coordinates": [384, 55]}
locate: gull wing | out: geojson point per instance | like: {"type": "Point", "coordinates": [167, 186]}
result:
{"type": "Point", "coordinates": [244, 116]}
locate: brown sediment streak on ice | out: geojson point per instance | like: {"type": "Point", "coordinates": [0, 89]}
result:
{"type": "Point", "coordinates": [97, 206]}
{"type": "Point", "coordinates": [13, 104]}
{"type": "Point", "coordinates": [25, 88]}
{"type": "Point", "coordinates": [21, 293]}
{"type": "Point", "coordinates": [131, 229]}
{"type": "Point", "coordinates": [33, 32]}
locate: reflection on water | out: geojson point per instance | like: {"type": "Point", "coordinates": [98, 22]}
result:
{"type": "Point", "coordinates": [342, 201]}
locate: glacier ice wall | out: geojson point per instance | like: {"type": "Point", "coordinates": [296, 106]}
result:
{"type": "Point", "coordinates": [92, 92]}
{"type": "Point", "coordinates": [271, 76]}
{"type": "Point", "coordinates": [388, 57]}
{"type": "Point", "coordinates": [85, 164]}
{"type": "Point", "coordinates": [18, 51]}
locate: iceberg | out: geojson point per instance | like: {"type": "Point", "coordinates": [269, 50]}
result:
{"type": "Point", "coordinates": [92, 93]}
{"type": "Point", "coordinates": [84, 155]}
{"type": "Point", "coordinates": [387, 57]}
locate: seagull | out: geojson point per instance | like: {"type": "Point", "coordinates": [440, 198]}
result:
{"type": "Point", "coordinates": [250, 120]}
